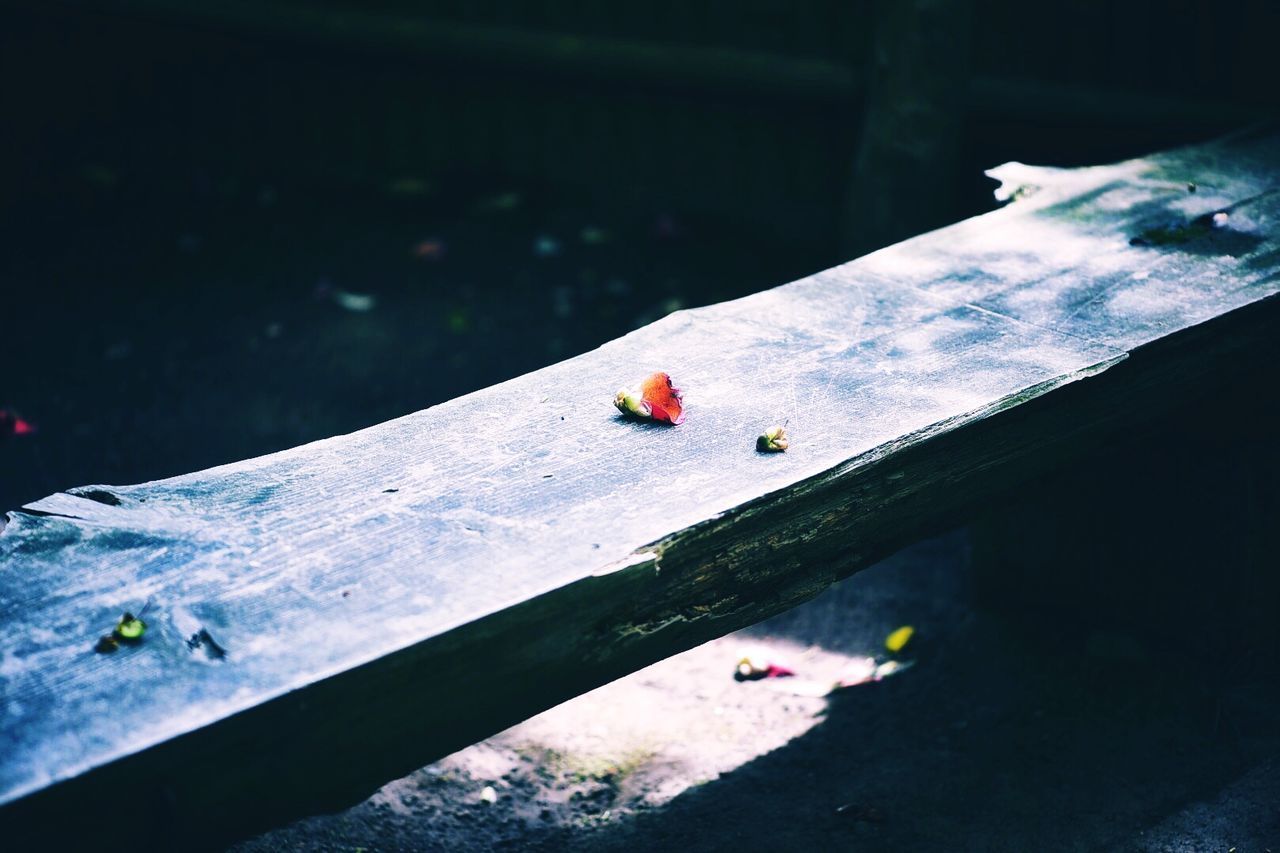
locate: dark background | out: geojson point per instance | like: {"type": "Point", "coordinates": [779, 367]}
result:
{"type": "Point", "coordinates": [188, 188]}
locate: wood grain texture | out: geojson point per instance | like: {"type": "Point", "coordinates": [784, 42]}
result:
{"type": "Point", "coordinates": [389, 596]}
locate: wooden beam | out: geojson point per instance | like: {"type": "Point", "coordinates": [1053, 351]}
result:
{"type": "Point", "coordinates": [386, 597]}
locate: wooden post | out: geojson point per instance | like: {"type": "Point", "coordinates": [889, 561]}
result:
{"type": "Point", "coordinates": [905, 176]}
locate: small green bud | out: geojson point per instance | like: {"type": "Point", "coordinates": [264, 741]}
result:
{"type": "Point", "coordinates": [773, 440]}
{"type": "Point", "coordinates": [130, 628]}
{"type": "Point", "coordinates": [630, 403]}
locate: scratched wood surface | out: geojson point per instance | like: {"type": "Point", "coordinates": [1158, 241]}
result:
{"type": "Point", "coordinates": [388, 596]}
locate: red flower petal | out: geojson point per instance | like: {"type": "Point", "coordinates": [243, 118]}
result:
{"type": "Point", "coordinates": [663, 398]}
{"type": "Point", "coordinates": [11, 424]}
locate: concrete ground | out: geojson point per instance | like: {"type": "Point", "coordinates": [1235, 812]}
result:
{"type": "Point", "coordinates": [998, 738]}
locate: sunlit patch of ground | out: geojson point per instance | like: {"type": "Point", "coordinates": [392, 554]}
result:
{"type": "Point", "coordinates": [624, 748]}
{"type": "Point", "coordinates": [999, 738]}
{"type": "Point", "coordinates": [646, 738]}
{"type": "Point", "coordinates": [632, 746]}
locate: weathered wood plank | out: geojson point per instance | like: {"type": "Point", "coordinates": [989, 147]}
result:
{"type": "Point", "coordinates": [388, 596]}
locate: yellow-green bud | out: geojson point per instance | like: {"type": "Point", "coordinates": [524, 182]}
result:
{"type": "Point", "coordinates": [773, 440]}
{"type": "Point", "coordinates": [629, 403]}
{"type": "Point", "coordinates": [130, 628]}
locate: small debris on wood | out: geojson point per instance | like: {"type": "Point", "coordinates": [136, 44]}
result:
{"type": "Point", "coordinates": [1022, 191]}
{"type": "Point", "coordinates": [1209, 233]}
{"type": "Point", "coordinates": [129, 630]}
{"type": "Point", "coordinates": [630, 403]}
{"type": "Point", "coordinates": [657, 400]}
{"type": "Point", "coordinates": [772, 440]}
{"type": "Point", "coordinates": [203, 640]}
{"type": "Point", "coordinates": [1178, 233]}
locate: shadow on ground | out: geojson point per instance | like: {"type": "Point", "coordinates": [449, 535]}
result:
{"type": "Point", "coordinates": [999, 738]}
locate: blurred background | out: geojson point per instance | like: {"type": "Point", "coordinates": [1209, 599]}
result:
{"type": "Point", "coordinates": [232, 227]}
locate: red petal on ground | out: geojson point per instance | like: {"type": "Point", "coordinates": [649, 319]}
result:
{"type": "Point", "coordinates": [663, 398]}
{"type": "Point", "coordinates": [11, 424]}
